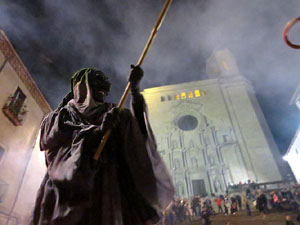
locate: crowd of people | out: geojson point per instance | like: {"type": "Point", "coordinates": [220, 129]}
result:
{"type": "Point", "coordinates": [203, 208]}
{"type": "Point", "coordinates": [181, 210]}
{"type": "Point", "coordinates": [285, 199]}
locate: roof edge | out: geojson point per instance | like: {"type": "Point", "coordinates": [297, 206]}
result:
{"type": "Point", "coordinates": [17, 64]}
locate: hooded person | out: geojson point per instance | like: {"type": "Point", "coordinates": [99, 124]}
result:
{"type": "Point", "coordinates": [128, 185]}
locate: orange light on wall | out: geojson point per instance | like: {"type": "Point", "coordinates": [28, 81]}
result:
{"type": "Point", "coordinates": [190, 95]}
{"type": "Point", "coordinates": [177, 97]}
{"type": "Point", "coordinates": [197, 93]}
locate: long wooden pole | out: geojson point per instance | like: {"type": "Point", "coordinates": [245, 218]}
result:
{"type": "Point", "coordinates": [139, 63]}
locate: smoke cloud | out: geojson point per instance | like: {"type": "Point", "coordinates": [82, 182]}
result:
{"type": "Point", "coordinates": [56, 38]}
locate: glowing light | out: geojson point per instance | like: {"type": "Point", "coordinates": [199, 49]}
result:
{"type": "Point", "coordinates": [183, 95]}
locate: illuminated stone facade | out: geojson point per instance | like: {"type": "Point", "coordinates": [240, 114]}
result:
{"type": "Point", "coordinates": [21, 165]}
{"type": "Point", "coordinates": [212, 133]}
{"type": "Point", "coordinates": [293, 153]}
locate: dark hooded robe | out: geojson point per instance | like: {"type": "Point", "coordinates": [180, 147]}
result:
{"type": "Point", "coordinates": [128, 185]}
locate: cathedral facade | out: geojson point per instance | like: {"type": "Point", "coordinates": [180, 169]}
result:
{"type": "Point", "coordinates": [212, 133]}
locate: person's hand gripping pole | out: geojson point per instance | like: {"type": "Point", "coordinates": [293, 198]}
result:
{"type": "Point", "coordinates": [139, 63]}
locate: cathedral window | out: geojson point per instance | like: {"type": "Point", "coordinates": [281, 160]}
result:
{"type": "Point", "coordinates": [187, 122]}
{"type": "Point", "coordinates": [162, 98]}
{"type": "Point", "coordinates": [197, 93]}
{"type": "Point", "coordinates": [183, 95]}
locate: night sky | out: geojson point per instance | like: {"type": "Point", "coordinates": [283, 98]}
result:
{"type": "Point", "coordinates": [54, 38]}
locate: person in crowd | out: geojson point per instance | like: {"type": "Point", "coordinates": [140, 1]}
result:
{"type": "Point", "coordinates": [195, 206]}
{"type": "Point", "coordinates": [163, 220]}
{"type": "Point", "coordinates": [208, 205]}
{"type": "Point", "coordinates": [221, 196]}
{"type": "Point", "coordinates": [248, 191]}
{"type": "Point", "coordinates": [233, 206]}
{"type": "Point", "coordinates": [227, 204]}
{"type": "Point", "coordinates": [261, 203]}
{"type": "Point", "coordinates": [239, 201]}
{"type": "Point", "coordinates": [187, 211]}
{"type": "Point", "coordinates": [275, 200]}
{"type": "Point", "coordinates": [181, 211]}
{"type": "Point", "coordinates": [294, 205]}
{"type": "Point", "coordinates": [297, 194]}
{"type": "Point", "coordinates": [219, 201]}
{"type": "Point", "coordinates": [198, 205]}
{"type": "Point", "coordinates": [288, 220]}
{"type": "Point", "coordinates": [246, 202]}
{"type": "Point", "coordinates": [284, 194]}
{"type": "Point", "coordinates": [298, 216]}
{"type": "Point", "coordinates": [172, 213]}
{"type": "Point", "coordinates": [289, 194]}
{"type": "Point", "coordinates": [205, 215]}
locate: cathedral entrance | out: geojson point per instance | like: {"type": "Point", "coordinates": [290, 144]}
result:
{"type": "Point", "coordinates": [199, 187]}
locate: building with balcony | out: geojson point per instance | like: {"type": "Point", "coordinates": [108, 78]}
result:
{"type": "Point", "coordinates": [21, 164]}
